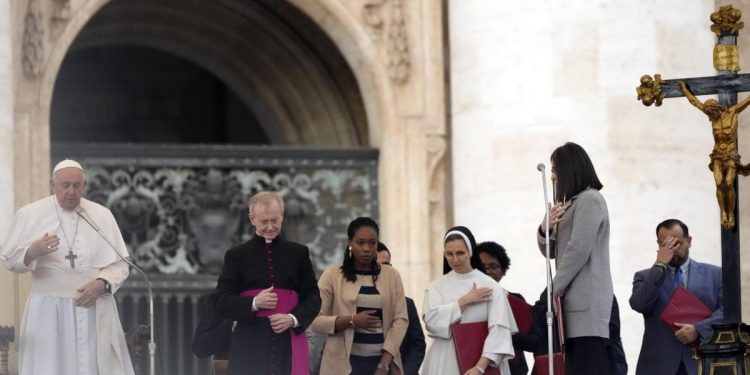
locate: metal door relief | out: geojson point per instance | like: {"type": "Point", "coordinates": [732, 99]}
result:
{"type": "Point", "coordinates": [181, 207]}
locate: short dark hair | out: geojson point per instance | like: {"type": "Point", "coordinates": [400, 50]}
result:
{"type": "Point", "coordinates": [575, 171]}
{"type": "Point", "coordinates": [670, 223]}
{"type": "Point", "coordinates": [382, 247]}
{"type": "Point", "coordinates": [496, 251]}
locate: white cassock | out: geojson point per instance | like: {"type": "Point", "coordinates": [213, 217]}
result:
{"type": "Point", "coordinates": [56, 337]}
{"type": "Point", "coordinates": [441, 311]}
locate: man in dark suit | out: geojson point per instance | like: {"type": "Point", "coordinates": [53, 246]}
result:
{"type": "Point", "coordinates": [268, 287]}
{"type": "Point", "coordinates": [664, 351]}
{"type": "Point", "coordinates": [413, 346]}
{"type": "Point", "coordinates": [213, 336]}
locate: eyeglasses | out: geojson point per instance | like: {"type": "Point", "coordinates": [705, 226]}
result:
{"type": "Point", "coordinates": [492, 266]}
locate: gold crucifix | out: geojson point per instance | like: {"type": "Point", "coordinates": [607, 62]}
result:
{"type": "Point", "coordinates": [725, 160]}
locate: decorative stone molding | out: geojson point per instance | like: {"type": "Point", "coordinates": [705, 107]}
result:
{"type": "Point", "coordinates": [437, 189]}
{"type": "Point", "coordinates": [436, 148]}
{"type": "Point", "coordinates": [371, 14]}
{"type": "Point", "coordinates": [33, 41]}
{"type": "Point", "coordinates": [397, 41]}
{"type": "Point", "coordinates": [62, 11]}
{"type": "Point", "coordinates": [398, 45]}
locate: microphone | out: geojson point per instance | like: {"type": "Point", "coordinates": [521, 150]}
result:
{"type": "Point", "coordinates": [540, 168]}
{"type": "Point", "coordinates": [83, 214]}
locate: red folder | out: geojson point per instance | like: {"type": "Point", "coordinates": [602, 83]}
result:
{"type": "Point", "coordinates": [683, 307]}
{"type": "Point", "coordinates": [521, 312]}
{"type": "Point", "coordinates": [468, 338]}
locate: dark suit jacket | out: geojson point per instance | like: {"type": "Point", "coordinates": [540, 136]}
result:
{"type": "Point", "coordinates": [413, 346]}
{"type": "Point", "coordinates": [213, 337]}
{"type": "Point", "coordinates": [661, 353]}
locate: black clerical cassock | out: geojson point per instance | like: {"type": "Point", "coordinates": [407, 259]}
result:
{"type": "Point", "coordinates": [256, 265]}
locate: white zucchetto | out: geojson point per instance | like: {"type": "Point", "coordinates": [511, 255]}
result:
{"type": "Point", "coordinates": [67, 163]}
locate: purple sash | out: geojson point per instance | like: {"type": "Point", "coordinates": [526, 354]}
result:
{"type": "Point", "coordinates": [287, 301]}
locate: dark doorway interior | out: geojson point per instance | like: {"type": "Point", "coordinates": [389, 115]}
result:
{"type": "Point", "coordinates": [124, 94]}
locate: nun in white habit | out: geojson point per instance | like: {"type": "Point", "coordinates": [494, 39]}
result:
{"type": "Point", "coordinates": [70, 325]}
{"type": "Point", "coordinates": [464, 294]}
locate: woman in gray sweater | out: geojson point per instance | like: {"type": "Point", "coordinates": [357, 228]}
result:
{"type": "Point", "coordinates": [579, 243]}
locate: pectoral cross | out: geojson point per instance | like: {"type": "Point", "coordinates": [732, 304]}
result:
{"type": "Point", "coordinates": [72, 258]}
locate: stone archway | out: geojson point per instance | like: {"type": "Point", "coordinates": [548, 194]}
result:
{"type": "Point", "coordinates": [395, 50]}
{"type": "Point", "coordinates": [279, 64]}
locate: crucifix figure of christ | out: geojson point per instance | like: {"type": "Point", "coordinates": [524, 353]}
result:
{"type": "Point", "coordinates": [72, 258]}
{"type": "Point", "coordinates": [725, 161]}
{"type": "Point", "coordinates": [725, 165]}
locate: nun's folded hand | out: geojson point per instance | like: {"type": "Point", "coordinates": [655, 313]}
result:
{"type": "Point", "coordinates": [475, 295]}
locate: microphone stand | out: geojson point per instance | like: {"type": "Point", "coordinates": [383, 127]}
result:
{"type": "Point", "coordinates": [549, 315]}
{"type": "Point", "coordinates": [151, 344]}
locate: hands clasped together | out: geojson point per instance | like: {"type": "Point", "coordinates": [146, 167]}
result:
{"type": "Point", "coordinates": [267, 299]}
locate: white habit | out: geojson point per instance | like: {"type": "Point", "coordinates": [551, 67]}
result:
{"type": "Point", "coordinates": [56, 337]}
{"type": "Point", "coordinates": [441, 311]}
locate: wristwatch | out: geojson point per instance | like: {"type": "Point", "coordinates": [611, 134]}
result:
{"type": "Point", "coordinates": [107, 285]}
{"type": "Point", "coordinates": [383, 366]}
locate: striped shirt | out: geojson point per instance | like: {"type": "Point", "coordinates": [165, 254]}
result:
{"type": "Point", "coordinates": [368, 342]}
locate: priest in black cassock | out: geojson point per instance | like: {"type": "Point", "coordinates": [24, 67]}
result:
{"type": "Point", "coordinates": [268, 286]}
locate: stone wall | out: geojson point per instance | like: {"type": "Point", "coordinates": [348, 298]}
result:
{"type": "Point", "coordinates": [394, 49]}
{"type": "Point", "coordinates": [527, 77]}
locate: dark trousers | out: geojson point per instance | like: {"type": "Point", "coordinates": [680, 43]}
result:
{"type": "Point", "coordinates": [587, 356]}
{"type": "Point", "coordinates": [682, 370]}
{"type": "Point", "coordinates": [363, 365]}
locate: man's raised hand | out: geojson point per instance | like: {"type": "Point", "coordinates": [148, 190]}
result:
{"type": "Point", "coordinates": [43, 246]}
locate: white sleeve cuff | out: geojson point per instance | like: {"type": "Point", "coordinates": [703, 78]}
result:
{"type": "Point", "coordinates": [296, 322]}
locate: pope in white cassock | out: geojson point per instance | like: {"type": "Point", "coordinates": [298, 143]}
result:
{"type": "Point", "coordinates": [70, 325]}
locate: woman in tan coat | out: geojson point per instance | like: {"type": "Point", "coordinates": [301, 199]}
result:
{"type": "Point", "coordinates": [363, 310]}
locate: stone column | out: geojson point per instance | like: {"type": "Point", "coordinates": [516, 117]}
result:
{"type": "Point", "coordinates": [8, 280]}
{"type": "Point", "coordinates": [744, 182]}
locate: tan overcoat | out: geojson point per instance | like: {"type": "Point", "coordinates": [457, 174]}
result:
{"type": "Point", "coordinates": [339, 298]}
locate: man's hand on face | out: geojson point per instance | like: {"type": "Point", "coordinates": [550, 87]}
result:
{"type": "Point", "coordinates": [266, 299]}
{"type": "Point", "coordinates": [89, 293]}
{"type": "Point", "coordinates": [666, 250]}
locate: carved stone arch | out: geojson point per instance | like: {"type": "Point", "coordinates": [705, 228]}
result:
{"type": "Point", "coordinates": [404, 119]}
{"type": "Point", "coordinates": [307, 93]}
